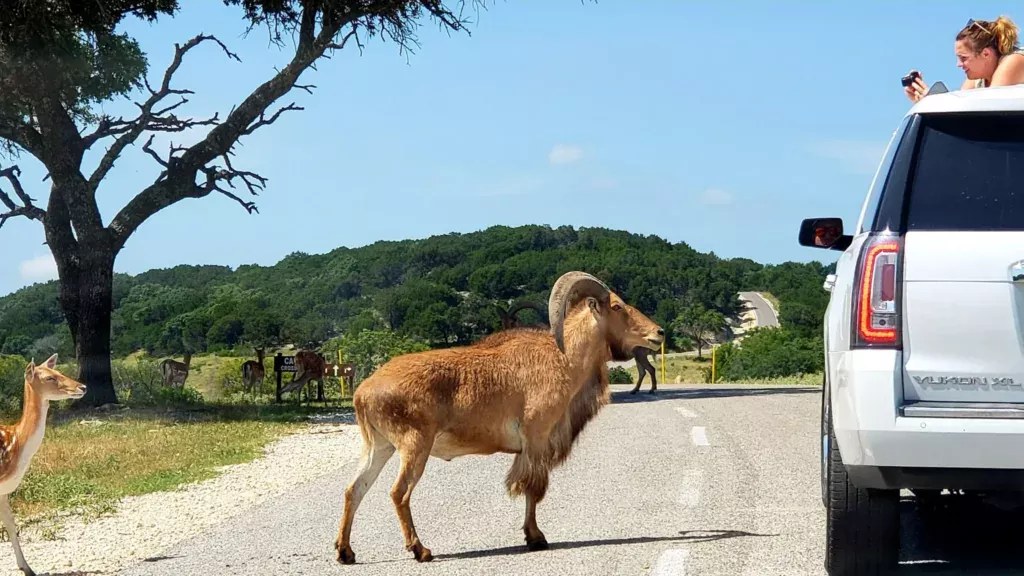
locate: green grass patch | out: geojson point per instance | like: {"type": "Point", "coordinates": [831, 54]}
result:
{"type": "Point", "coordinates": [89, 460]}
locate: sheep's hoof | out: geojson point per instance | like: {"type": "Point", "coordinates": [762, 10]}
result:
{"type": "Point", "coordinates": [538, 544]}
{"type": "Point", "coordinates": [633, 391]}
{"type": "Point", "coordinates": [422, 553]}
{"type": "Point", "coordinates": [654, 391]}
{"type": "Point", "coordinates": [346, 555]}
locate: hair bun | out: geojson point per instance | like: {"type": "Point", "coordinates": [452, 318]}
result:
{"type": "Point", "coordinates": [1005, 32]}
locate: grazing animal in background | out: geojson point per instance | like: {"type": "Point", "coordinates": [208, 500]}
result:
{"type": "Point", "coordinates": [644, 366]}
{"type": "Point", "coordinates": [175, 373]}
{"type": "Point", "coordinates": [524, 391]}
{"type": "Point", "coordinates": [19, 443]}
{"type": "Point", "coordinates": [253, 371]}
{"type": "Point", "coordinates": [309, 367]}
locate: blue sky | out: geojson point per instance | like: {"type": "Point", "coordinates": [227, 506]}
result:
{"type": "Point", "coordinates": [721, 124]}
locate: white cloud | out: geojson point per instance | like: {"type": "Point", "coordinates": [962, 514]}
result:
{"type": "Point", "coordinates": [716, 196]}
{"type": "Point", "coordinates": [38, 269]}
{"type": "Point", "coordinates": [858, 156]}
{"type": "Point", "coordinates": [565, 154]}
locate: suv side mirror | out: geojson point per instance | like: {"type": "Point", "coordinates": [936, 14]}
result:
{"type": "Point", "coordinates": [824, 233]}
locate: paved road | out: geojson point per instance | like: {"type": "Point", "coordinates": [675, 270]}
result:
{"type": "Point", "coordinates": [766, 317]}
{"type": "Point", "coordinates": [694, 480]}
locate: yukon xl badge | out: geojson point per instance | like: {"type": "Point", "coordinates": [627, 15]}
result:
{"type": "Point", "coordinates": [964, 381]}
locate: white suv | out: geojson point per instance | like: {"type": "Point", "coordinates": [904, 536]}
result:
{"type": "Point", "coordinates": [924, 331]}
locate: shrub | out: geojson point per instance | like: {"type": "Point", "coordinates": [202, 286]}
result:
{"type": "Point", "coordinates": [770, 353]}
{"type": "Point", "coordinates": [12, 382]}
{"type": "Point", "coordinates": [619, 375]}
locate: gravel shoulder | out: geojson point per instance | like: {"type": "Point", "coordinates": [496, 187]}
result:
{"type": "Point", "coordinates": [143, 527]}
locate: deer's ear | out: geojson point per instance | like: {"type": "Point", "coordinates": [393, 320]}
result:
{"type": "Point", "coordinates": [51, 362]}
{"type": "Point", "coordinates": [30, 370]}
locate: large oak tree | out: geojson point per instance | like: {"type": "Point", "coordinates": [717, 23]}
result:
{"type": "Point", "coordinates": [60, 59]}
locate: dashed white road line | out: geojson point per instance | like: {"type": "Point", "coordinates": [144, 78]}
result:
{"type": "Point", "coordinates": [693, 481]}
{"type": "Point", "coordinates": [672, 562]}
{"type": "Point", "coordinates": [686, 413]}
{"type": "Point", "coordinates": [699, 436]}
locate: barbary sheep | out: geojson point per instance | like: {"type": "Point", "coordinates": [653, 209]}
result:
{"type": "Point", "coordinates": [523, 391]}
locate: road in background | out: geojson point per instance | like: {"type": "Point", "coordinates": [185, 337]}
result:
{"type": "Point", "coordinates": [763, 311]}
{"type": "Point", "coordinates": [695, 480]}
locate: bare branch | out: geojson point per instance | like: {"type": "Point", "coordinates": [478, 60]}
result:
{"type": "Point", "coordinates": [214, 176]}
{"type": "Point", "coordinates": [354, 33]}
{"type": "Point", "coordinates": [150, 118]}
{"type": "Point", "coordinates": [264, 121]}
{"type": "Point", "coordinates": [148, 149]}
{"type": "Point", "coordinates": [28, 209]}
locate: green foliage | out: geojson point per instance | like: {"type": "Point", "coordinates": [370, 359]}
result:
{"type": "Point", "coordinates": [770, 353]}
{"type": "Point", "coordinates": [70, 49]}
{"type": "Point", "coordinates": [12, 382]}
{"type": "Point", "coordinates": [140, 383]}
{"type": "Point", "coordinates": [369, 349]}
{"type": "Point", "coordinates": [439, 291]}
{"type": "Point", "coordinates": [802, 300]}
{"type": "Point", "coordinates": [619, 375]}
{"type": "Point", "coordinates": [698, 324]}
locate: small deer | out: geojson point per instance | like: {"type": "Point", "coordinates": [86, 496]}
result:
{"type": "Point", "coordinates": [19, 443]}
{"type": "Point", "coordinates": [253, 371]}
{"type": "Point", "coordinates": [175, 373]}
{"type": "Point", "coordinates": [309, 367]}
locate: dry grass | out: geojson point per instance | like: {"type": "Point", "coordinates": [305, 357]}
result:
{"type": "Point", "coordinates": [771, 300]}
{"type": "Point", "coordinates": [689, 371]}
{"type": "Point", "coordinates": [90, 460]}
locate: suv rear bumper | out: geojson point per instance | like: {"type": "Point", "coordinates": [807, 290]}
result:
{"type": "Point", "coordinates": [883, 449]}
{"type": "Point", "coordinates": [893, 477]}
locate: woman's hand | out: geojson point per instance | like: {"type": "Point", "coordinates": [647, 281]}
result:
{"type": "Point", "coordinates": [917, 90]}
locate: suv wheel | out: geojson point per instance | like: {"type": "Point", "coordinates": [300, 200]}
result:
{"type": "Point", "coordinates": [861, 525]}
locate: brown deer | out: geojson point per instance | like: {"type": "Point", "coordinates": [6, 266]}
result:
{"type": "Point", "coordinates": [175, 373]}
{"type": "Point", "coordinates": [253, 371]}
{"type": "Point", "coordinates": [19, 443]}
{"type": "Point", "coordinates": [309, 367]}
{"type": "Point", "coordinates": [524, 391]}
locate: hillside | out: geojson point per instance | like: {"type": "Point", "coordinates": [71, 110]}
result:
{"type": "Point", "coordinates": [441, 290]}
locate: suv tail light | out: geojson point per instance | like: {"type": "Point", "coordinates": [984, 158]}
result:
{"type": "Point", "coordinates": [876, 309]}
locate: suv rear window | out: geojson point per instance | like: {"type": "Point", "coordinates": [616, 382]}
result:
{"type": "Point", "coordinates": [969, 173]}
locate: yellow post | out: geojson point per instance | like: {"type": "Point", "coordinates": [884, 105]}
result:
{"type": "Point", "coordinates": [662, 361]}
{"type": "Point", "coordinates": [342, 378]}
{"type": "Point", "coordinates": [713, 349]}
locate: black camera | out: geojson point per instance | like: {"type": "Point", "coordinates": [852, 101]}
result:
{"type": "Point", "coordinates": [909, 78]}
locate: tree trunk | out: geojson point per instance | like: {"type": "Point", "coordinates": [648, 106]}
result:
{"type": "Point", "coordinates": [92, 346]}
{"type": "Point", "coordinates": [86, 298]}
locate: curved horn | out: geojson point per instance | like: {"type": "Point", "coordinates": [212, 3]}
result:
{"type": "Point", "coordinates": [506, 318]}
{"type": "Point", "coordinates": [567, 290]}
{"type": "Point", "coordinates": [522, 305]}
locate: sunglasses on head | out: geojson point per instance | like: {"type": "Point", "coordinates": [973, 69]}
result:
{"type": "Point", "coordinates": [973, 22]}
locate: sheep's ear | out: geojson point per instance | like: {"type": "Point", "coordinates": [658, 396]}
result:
{"type": "Point", "coordinates": [592, 304]}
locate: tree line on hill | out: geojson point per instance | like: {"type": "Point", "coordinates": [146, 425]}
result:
{"type": "Point", "coordinates": [445, 290]}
